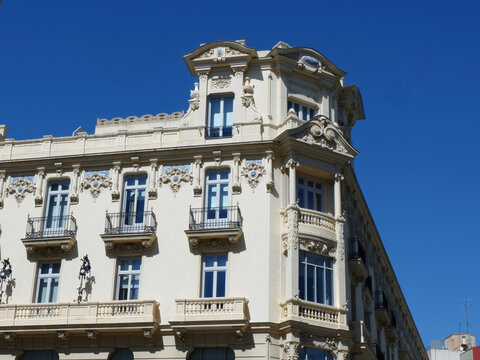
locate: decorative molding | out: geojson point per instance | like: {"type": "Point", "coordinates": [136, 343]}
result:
{"type": "Point", "coordinates": [20, 187]}
{"type": "Point", "coordinates": [194, 98]}
{"type": "Point", "coordinates": [219, 54]}
{"type": "Point", "coordinates": [221, 82]}
{"type": "Point", "coordinates": [339, 231]}
{"type": "Point", "coordinates": [291, 349]}
{"type": "Point", "coordinates": [140, 119]}
{"type": "Point", "coordinates": [320, 342]}
{"type": "Point", "coordinates": [318, 247]}
{"type": "Point", "coordinates": [175, 175]}
{"type": "Point", "coordinates": [94, 183]}
{"type": "Point", "coordinates": [236, 186]}
{"type": "Point", "coordinates": [290, 242]}
{"type": "Point", "coordinates": [252, 172]}
{"type": "Point", "coordinates": [197, 187]}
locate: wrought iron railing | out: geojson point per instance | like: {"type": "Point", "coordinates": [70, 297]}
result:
{"type": "Point", "coordinates": [130, 222]}
{"type": "Point", "coordinates": [381, 301]}
{"type": "Point", "coordinates": [51, 226]}
{"type": "Point", "coordinates": [356, 250]}
{"type": "Point", "coordinates": [219, 131]}
{"type": "Point", "coordinates": [228, 217]}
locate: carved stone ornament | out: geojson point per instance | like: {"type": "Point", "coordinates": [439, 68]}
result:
{"type": "Point", "coordinates": [219, 54]}
{"type": "Point", "coordinates": [339, 227]}
{"type": "Point", "coordinates": [252, 172]}
{"type": "Point", "coordinates": [221, 82]}
{"type": "Point", "coordinates": [194, 98]}
{"type": "Point", "coordinates": [320, 342]}
{"type": "Point", "coordinates": [19, 188]}
{"type": "Point", "coordinates": [291, 349]}
{"type": "Point", "coordinates": [318, 247]}
{"type": "Point", "coordinates": [290, 241]}
{"type": "Point", "coordinates": [175, 176]}
{"type": "Point", "coordinates": [94, 183]}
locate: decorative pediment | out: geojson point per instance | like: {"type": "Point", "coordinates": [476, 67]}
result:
{"type": "Point", "coordinates": [323, 133]}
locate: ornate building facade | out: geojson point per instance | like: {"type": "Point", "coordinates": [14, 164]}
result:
{"type": "Point", "coordinates": [234, 230]}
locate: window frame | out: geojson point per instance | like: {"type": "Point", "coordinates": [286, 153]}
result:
{"type": "Point", "coordinates": [327, 270]}
{"type": "Point", "coordinates": [215, 269]}
{"type": "Point", "coordinates": [130, 272]}
{"type": "Point", "coordinates": [224, 130]}
{"type": "Point", "coordinates": [49, 276]}
{"type": "Point", "coordinates": [50, 223]}
{"type": "Point", "coordinates": [125, 221]}
{"type": "Point", "coordinates": [299, 108]}
{"type": "Point", "coordinates": [314, 190]}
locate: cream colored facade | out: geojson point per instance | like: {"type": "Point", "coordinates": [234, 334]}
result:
{"type": "Point", "coordinates": [285, 116]}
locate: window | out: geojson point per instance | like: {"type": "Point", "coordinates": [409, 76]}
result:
{"type": "Point", "coordinates": [47, 282]}
{"type": "Point", "coordinates": [315, 278]}
{"type": "Point", "coordinates": [222, 353]}
{"type": "Point", "coordinates": [128, 278]}
{"type": "Point", "coordinates": [134, 202]}
{"type": "Point", "coordinates": [307, 353]}
{"type": "Point", "coordinates": [214, 275]}
{"type": "Point", "coordinates": [303, 112]}
{"type": "Point", "coordinates": [309, 194]}
{"type": "Point", "coordinates": [217, 199]}
{"type": "Point", "coordinates": [39, 355]}
{"type": "Point", "coordinates": [122, 354]}
{"type": "Point", "coordinates": [220, 117]}
{"type": "Point", "coordinates": [57, 206]}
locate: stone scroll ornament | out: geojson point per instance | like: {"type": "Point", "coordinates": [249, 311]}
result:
{"type": "Point", "coordinates": [252, 171]}
{"type": "Point", "coordinates": [175, 175]}
{"type": "Point", "coordinates": [20, 186]}
{"type": "Point", "coordinates": [94, 182]}
{"type": "Point", "coordinates": [324, 134]}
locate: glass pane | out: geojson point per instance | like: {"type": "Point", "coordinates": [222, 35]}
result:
{"type": "Point", "coordinates": [301, 281]}
{"type": "Point", "coordinates": [304, 113]}
{"type": "Point", "coordinates": [328, 262]}
{"type": "Point", "coordinates": [300, 197]}
{"type": "Point", "coordinates": [54, 187]}
{"type": "Point", "coordinates": [221, 283]}
{"type": "Point", "coordinates": [310, 283]}
{"type": "Point", "coordinates": [129, 206]}
{"type": "Point", "coordinates": [329, 287]}
{"type": "Point", "coordinates": [142, 180]}
{"type": "Point", "coordinates": [51, 210]}
{"type": "Point", "coordinates": [216, 119]}
{"type": "Point", "coordinates": [136, 264]}
{"type": "Point", "coordinates": [124, 263]}
{"type": "Point", "coordinates": [228, 110]}
{"type": "Point", "coordinates": [208, 286]}
{"type": "Point", "coordinates": [318, 202]}
{"type": "Point", "coordinates": [130, 181]}
{"type": "Point", "coordinates": [62, 210]}
{"type": "Point", "coordinates": [56, 268]}
{"type": "Point", "coordinates": [315, 259]}
{"type": "Point", "coordinates": [44, 268]}
{"type": "Point", "coordinates": [301, 181]}
{"type": "Point", "coordinates": [64, 186]}
{"type": "Point", "coordinates": [297, 108]}
{"type": "Point", "coordinates": [212, 175]}
{"type": "Point", "coordinates": [310, 183]}
{"type": "Point", "coordinates": [224, 195]}
{"type": "Point", "coordinates": [208, 261]}
{"type": "Point", "coordinates": [310, 203]}
{"type": "Point", "coordinates": [135, 287]}
{"type": "Point", "coordinates": [42, 291]}
{"type": "Point", "coordinates": [212, 196]}
{"type": "Point", "coordinates": [123, 288]}
{"type": "Point", "coordinates": [224, 174]}
{"type": "Point", "coordinates": [140, 207]}
{"type": "Point", "coordinates": [289, 105]}
{"type": "Point", "coordinates": [221, 260]}
{"type": "Point", "coordinates": [53, 290]}
{"type": "Point", "coordinates": [320, 285]}
{"type": "Point", "coordinates": [312, 114]}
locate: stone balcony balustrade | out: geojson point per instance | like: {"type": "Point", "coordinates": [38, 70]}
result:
{"type": "Point", "coordinates": [362, 341]}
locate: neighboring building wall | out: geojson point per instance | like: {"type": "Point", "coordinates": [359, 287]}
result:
{"type": "Point", "coordinates": [443, 354]}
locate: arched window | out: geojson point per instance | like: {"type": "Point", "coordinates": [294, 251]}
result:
{"type": "Point", "coordinates": [222, 353]}
{"type": "Point", "coordinates": [39, 355]}
{"type": "Point", "coordinates": [314, 354]}
{"type": "Point", "coordinates": [122, 354]}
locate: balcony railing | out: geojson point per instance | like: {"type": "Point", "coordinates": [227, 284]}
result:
{"type": "Point", "coordinates": [356, 250]}
{"type": "Point", "coordinates": [219, 131]}
{"type": "Point", "coordinates": [130, 222]}
{"type": "Point", "coordinates": [316, 218]}
{"type": "Point", "coordinates": [51, 227]}
{"type": "Point", "coordinates": [215, 218]}
{"type": "Point", "coordinates": [313, 311]}
{"type": "Point", "coordinates": [381, 301]}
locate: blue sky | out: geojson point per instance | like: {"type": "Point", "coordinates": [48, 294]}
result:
{"type": "Point", "coordinates": [63, 64]}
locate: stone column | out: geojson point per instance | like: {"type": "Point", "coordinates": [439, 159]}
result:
{"type": "Point", "coordinates": [269, 168]}
{"type": "Point", "coordinates": [3, 176]}
{"type": "Point", "coordinates": [115, 178]}
{"type": "Point", "coordinates": [339, 268]}
{"type": "Point", "coordinates": [197, 187]}
{"type": "Point", "coordinates": [152, 180]}
{"type": "Point", "coordinates": [74, 189]}
{"type": "Point", "coordinates": [203, 89]}
{"type": "Point", "coordinates": [236, 187]}
{"type": "Point", "coordinates": [292, 181]}
{"type": "Point", "coordinates": [39, 185]}
{"type": "Point", "coordinates": [237, 86]}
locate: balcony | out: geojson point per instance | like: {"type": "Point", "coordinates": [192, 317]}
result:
{"type": "Point", "coordinates": [72, 317]}
{"type": "Point", "coordinates": [357, 260]}
{"type": "Point", "coordinates": [313, 223]}
{"type": "Point", "coordinates": [56, 232]}
{"type": "Point", "coordinates": [314, 314]}
{"type": "Point", "coordinates": [381, 308]}
{"type": "Point", "coordinates": [219, 132]}
{"type": "Point", "coordinates": [362, 341]}
{"type": "Point", "coordinates": [127, 229]}
{"type": "Point", "coordinates": [211, 314]}
{"type": "Point", "coordinates": [215, 224]}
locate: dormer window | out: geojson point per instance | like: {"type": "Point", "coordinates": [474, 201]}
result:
{"type": "Point", "coordinates": [304, 112]}
{"type": "Point", "coordinates": [220, 117]}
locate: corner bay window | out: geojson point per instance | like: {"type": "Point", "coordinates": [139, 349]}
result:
{"type": "Point", "coordinates": [214, 275]}
{"type": "Point", "coordinates": [309, 194]}
{"type": "Point", "coordinates": [47, 282]}
{"type": "Point", "coordinates": [128, 278]}
{"type": "Point", "coordinates": [220, 117]}
{"type": "Point", "coordinates": [303, 112]}
{"type": "Point", "coordinates": [316, 278]}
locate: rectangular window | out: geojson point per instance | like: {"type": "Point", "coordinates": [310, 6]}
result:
{"type": "Point", "coordinates": [214, 275]}
{"type": "Point", "coordinates": [217, 199]}
{"type": "Point", "coordinates": [316, 278]}
{"type": "Point", "coordinates": [47, 282]}
{"type": "Point", "coordinates": [134, 202]}
{"type": "Point", "coordinates": [304, 112]}
{"type": "Point", "coordinates": [309, 194]}
{"type": "Point", "coordinates": [220, 117]}
{"type": "Point", "coordinates": [57, 207]}
{"type": "Point", "coordinates": [128, 278]}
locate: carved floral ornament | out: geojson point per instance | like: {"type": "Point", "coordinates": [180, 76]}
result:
{"type": "Point", "coordinates": [221, 82]}
{"type": "Point", "coordinates": [175, 175]}
{"type": "Point", "coordinates": [95, 181]}
{"type": "Point", "coordinates": [20, 186]}
{"type": "Point", "coordinates": [318, 247]}
{"type": "Point", "coordinates": [252, 171]}
{"type": "Point", "coordinates": [219, 54]}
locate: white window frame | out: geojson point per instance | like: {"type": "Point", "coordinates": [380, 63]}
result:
{"type": "Point", "coordinates": [56, 195]}
{"type": "Point", "coordinates": [130, 272]}
{"type": "Point", "coordinates": [215, 269]}
{"type": "Point", "coordinates": [302, 110]}
{"type": "Point", "coordinates": [137, 188]}
{"type": "Point", "coordinates": [312, 189]}
{"type": "Point", "coordinates": [49, 277]}
{"type": "Point", "coordinates": [222, 112]}
{"type": "Point", "coordinates": [303, 268]}
{"type": "Point", "coordinates": [217, 182]}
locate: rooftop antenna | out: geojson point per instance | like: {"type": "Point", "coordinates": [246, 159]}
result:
{"type": "Point", "coordinates": [467, 306]}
